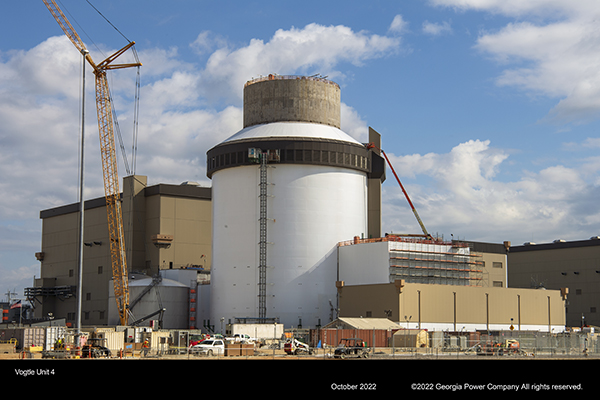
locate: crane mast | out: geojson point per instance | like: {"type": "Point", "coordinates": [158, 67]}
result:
{"type": "Point", "coordinates": [109, 159]}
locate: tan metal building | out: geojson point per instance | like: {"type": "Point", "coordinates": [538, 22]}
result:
{"type": "Point", "coordinates": [167, 227]}
{"type": "Point", "coordinates": [574, 265]}
{"type": "Point", "coordinates": [455, 308]}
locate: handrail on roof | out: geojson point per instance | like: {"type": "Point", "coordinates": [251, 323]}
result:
{"type": "Point", "coordinates": [272, 77]}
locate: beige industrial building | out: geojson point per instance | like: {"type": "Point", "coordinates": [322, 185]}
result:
{"type": "Point", "coordinates": [166, 227]}
{"type": "Point", "coordinates": [416, 260]}
{"type": "Point", "coordinates": [455, 308]}
{"type": "Point", "coordinates": [438, 285]}
{"type": "Point", "coordinates": [574, 265]}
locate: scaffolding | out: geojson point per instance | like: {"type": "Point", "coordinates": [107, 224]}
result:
{"type": "Point", "coordinates": [435, 266]}
{"type": "Point", "coordinates": [420, 260]}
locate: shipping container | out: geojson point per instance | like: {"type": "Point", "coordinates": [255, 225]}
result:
{"type": "Point", "coordinates": [114, 341]}
{"type": "Point", "coordinates": [159, 341]}
{"type": "Point", "coordinates": [411, 338]}
{"type": "Point", "coordinates": [25, 336]}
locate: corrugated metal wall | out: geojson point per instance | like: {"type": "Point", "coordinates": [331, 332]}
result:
{"type": "Point", "coordinates": [332, 337]}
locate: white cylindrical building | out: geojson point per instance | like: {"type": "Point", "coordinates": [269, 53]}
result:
{"type": "Point", "coordinates": [285, 190]}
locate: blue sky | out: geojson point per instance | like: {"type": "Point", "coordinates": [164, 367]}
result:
{"type": "Point", "coordinates": [488, 109]}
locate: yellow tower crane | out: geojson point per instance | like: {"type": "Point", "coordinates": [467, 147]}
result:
{"type": "Point", "coordinates": [108, 155]}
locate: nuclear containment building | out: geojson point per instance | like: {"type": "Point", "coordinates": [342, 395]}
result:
{"type": "Point", "coordinates": [285, 190]}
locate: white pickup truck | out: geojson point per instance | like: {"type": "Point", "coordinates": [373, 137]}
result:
{"type": "Point", "coordinates": [241, 337]}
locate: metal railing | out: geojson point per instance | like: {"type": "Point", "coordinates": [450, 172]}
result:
{"type": "Point", "coordinates": [273, 77]}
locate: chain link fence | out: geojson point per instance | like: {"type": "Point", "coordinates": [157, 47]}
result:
{"type": "Point", "coordinates": [504, 343]}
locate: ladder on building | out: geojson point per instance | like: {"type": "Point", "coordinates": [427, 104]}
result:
{"type": "Point", "coordinates": [265, 157]}
{"type": "Point", "coordinates": [262, 262]}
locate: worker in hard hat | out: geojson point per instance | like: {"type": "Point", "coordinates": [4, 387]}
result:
{"type": "Point", "coordinates": [145, 347]}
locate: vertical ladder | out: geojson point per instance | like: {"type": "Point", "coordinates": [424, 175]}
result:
{"type": "Point", "coordinates": [262, 263]}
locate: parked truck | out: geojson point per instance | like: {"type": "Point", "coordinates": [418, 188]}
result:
{"type": "Point", "coordinates": [241, 337]}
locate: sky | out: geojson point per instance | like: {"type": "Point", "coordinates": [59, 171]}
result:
{"type": "Point", "coordinates": [488, 109]}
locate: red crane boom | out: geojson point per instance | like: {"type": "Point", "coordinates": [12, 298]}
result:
{"type": "Point", "coordinates": [414, 210]}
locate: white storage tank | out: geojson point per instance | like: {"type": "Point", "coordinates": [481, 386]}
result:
{"type": "Point", "coordinates": [285, 190]}
{"type": "Point", "coordinates": [167, 293]}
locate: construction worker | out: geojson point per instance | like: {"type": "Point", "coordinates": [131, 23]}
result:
{"type": "Point", "coordinates": [145, 347]}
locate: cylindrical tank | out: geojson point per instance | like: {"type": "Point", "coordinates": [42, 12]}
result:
{"type": "Point", "coordinates": [291, 98]}
{"type": "Point", "coordinates": [316, 196]}
{"type": "Point", "coordinates": [168, 294]}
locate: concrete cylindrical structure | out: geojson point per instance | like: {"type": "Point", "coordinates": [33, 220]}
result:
{"type": "Point", "coordinates": [282, 98]}
{"type": "Point", "coordinates": [316, 184]}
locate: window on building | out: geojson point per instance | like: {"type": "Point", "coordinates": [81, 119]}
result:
{"type": "Point", "coordinates": [497, 265]}
{"type": "Point", "coordinates": [100, 270]}
{"type": "Point", "coordinates": [88, 296]}
{"type": "Point", "coordinates": [369, 314]}
{"type": "Point", "coordinates": [71, 273]}
{"type": "Point", "coordinates": [497, 284]}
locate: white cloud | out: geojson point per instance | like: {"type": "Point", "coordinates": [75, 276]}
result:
{"type": "Point", "coordinates": [467, 197]}
{"type": "Point", "coordinates": [398, 25]}
{"type": "Point", "coordinates": [592, 143]}
{"type": "Point", "coordinates": [207, 41]}
{"type": "Point", "coordinates": [353, 124]}
{"type": "Point", "coordinates": [552, 50]}
{"type": "Point", "coordinates": [157, 62]}
{"type": "Point", "coordinates": [29, 70]}
{"type": "Point", "coordinates": [436, 29]}
{"type": "Point", "coordinates": [312, 49]}
{"type": "Point", "coordinates": [516, 8]}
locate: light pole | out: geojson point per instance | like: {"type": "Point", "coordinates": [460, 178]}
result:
{"type": "Point", "coordinates": [81, 201]}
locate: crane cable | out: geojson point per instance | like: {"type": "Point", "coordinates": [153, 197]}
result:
{"type": "Point", "coordinates": [111, 24]}
{"type": "Point", "coordinates": [129, 171]}
{"type": "Point", "coordinates": [136, 111]}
